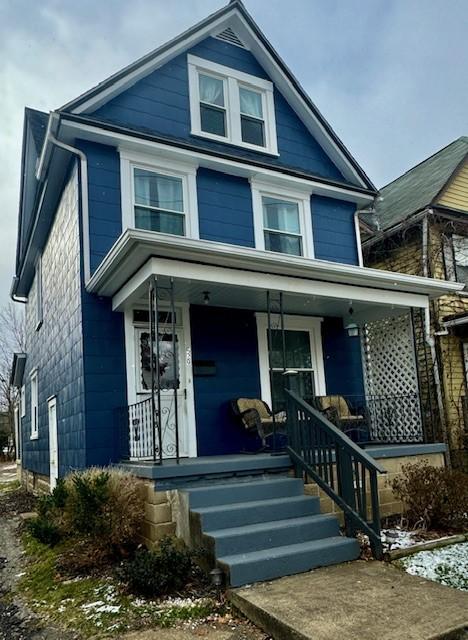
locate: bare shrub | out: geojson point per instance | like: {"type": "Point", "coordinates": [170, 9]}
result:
{"type": "Point", "coordinates": [433, 497]}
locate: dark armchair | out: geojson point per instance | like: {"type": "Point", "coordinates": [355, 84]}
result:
{"type": "Point", "coordinates": [256, 415]}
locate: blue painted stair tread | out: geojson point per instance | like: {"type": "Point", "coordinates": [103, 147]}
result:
{"type": "Point", "coordinates": [266, 528]}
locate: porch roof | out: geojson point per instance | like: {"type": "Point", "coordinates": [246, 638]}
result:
{"type": "Point", "coordinates": [239, 276]}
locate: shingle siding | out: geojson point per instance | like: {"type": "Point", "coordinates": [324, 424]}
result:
{"type": "Point", "coordinates": [160, 104]}
{"type": "Point", "coordinates": [56, 349]}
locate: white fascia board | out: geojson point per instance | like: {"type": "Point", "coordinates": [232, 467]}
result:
{"type": "Point", "coordinates": [137, 246]}
{"type": "Point", "coordinates": [71, 130]}
{"type": "Point", "coordinates": [178, 269]}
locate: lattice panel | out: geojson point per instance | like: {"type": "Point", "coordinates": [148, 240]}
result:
{"type": "Point", "coordinates": [391, 380]}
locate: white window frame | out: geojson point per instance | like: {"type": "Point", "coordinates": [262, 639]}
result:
{"type": "Point", "coordinates": [232, 80]}
{"type": "Point", "coordinates": [34, 381]}
{"type": "Point", "coordinates": [130, 160]}
{"type": "Point", "coordinates": [299, 196]}
{"type": "Point", "coordinates": [38, 287]}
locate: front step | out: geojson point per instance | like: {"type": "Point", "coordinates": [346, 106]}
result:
{"type": "Point", "coordinates": [287, 560]}
{"type": "Point", "coordinates": [260, 529]}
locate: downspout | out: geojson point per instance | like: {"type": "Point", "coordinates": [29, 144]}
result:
{"type": "Point", "coordinates": [83, 172]}
{"type": "Point", "coordinates": [429, 338]}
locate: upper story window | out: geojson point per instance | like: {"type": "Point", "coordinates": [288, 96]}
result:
{"type": "Point", "coordinates": [282, 220]}
{"type": "Point", "coordinates": [282, 226]}
{"type": "Point", "coordinates": [34, 405]}
{"type": "Point", "coordinates": [231, 106]}
{"type": "Point", "coordinates": [159, 202]}
{"type": "Point", "coordinates": [160, 197]}
{"type": "Point", "coordinates": [456, 258]}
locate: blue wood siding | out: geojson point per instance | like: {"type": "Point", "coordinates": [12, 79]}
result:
{"type": "Point", "coordinates": [159, 104]}
{"type": "Point", "coordinates": [229, 338]}
{"type": "Point", "coordinates": [333, 229]}
{"type": "Point", "coordinates": [105, 377]}
{"type": "Point", "coordinates": [56, 349]}
{"type": "Point", "coordinates": [105, 214]}
{"type": "Point", "coordinates": [225, 208]}
{"type": "Point", "coordinates": [342, 359]}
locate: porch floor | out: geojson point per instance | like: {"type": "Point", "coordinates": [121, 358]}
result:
{"type": "Point", "coordinates": [192, 469]}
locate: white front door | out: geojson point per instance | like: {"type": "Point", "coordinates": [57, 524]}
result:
{"type": "Point", "coordinates": [53, 441]}
{"type": "Point", "coordinates": [173, 394]}
{"type": "Point", "coordinates": [302, 353]}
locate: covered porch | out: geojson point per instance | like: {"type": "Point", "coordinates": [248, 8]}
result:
{"type": "Point", "coordinates": [228, 331]}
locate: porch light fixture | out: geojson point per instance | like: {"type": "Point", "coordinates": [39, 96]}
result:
{"type": "Point", "coordinates": [206, 297]}
{"type": "Point", "coordinates": [351, 327]}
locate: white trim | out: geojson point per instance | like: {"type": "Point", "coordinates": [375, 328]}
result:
{"type": "Point", "coordinates": [300, 196]}
{"type": "Point", "coordinates": [262, 281]}
{"type": "Point", "coordinates": [357, 231]}
{"type": "Point", "coordinates": [232, 81]}
{"type": "Point", "coordinates": [52, 402]}
{"type": "Point", "coordinates": [17, 423]}
{"type": "Point", "coordinates": [34, 383]}
{"type": "Point", "coordinates": [187, 172]}
{"type": "Point", "coordinates": [294, 323]}
{"type": "Point", "coordinates": [233, 166]}
{"type": "Point", "coordinates": [38, 288]}
{"type": "Point", "coordinates": [135, 247]}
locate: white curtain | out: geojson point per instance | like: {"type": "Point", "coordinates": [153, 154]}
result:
{"type": "Point", "coordinates": [250, 103]}
{"type": "Point", "coordinates": [281, 215]}
{"type": "Point", "coordinates": [211, 90]}
{"type": "Point", "coordinates": [161, 192]}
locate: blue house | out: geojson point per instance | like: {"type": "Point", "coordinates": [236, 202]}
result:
{"type": "Point", "coordinates": [188, 237]}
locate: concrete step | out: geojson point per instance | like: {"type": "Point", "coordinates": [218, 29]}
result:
{"type": "Point", "coordinates": [277, 562]}
{"type": "Point", "coordinates": [249, 490]}
{"type": "Point", "coordinates": [265, 535]}
{"type": "Point", "coordinates": [255, 511]}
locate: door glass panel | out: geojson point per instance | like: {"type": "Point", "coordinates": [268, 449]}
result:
{"type": "Point", "coordinates": [297, 347]}
{"type": "Point", "coordinates": [302, 384]}
{"type": "Point", "coordinates": [169, 376]}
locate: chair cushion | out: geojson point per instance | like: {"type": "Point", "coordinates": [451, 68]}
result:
{"type": "Point", "coordinates": [254, 403]}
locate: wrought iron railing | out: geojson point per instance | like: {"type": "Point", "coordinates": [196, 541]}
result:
{"type": "Point", "coordinates": [371, 419]}
{"type": "Point", "coordinates": [136, 437]}
{"type": "Point", "coordinates": [344, 471]}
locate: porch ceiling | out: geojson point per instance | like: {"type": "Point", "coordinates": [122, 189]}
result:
{"type": "Point", "coordinates": [238, 288]}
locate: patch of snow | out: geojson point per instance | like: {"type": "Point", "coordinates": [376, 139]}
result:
{"type": "Point", "coordinates": [447, 565]}
{"type": "Point", "coordinates": [398, 538]}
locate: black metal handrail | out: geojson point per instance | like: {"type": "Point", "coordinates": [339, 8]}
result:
{"type": "Point", "coordinates": [344, 471]}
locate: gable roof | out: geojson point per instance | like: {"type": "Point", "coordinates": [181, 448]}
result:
{"type": "Point", "coordinates": [419, 187]}
{"type": "Point", "coordinates": [235, 18]}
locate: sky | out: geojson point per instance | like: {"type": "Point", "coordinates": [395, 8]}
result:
{"type": "Point", "coordinates": [390, 76]}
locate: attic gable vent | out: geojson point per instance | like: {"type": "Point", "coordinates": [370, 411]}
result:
{"type": "Point", "coordinates": [228, 35]}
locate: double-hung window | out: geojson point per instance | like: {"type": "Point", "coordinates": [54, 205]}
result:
{"type": "Point", "coordinates": [282, 220]}
{"type": "Point", "coordinates": [455, 249]}
{"type": "Point", "coordinates": [231, 106]}
{"type": "Point", "coordinates": [212, 105]}
{"type": "Point", "coordinates": [34, 405]}
{"type": "Point", "coordinates": [281, 226]}
{"type": "Point", "coordinates": [157, 195]}
{"type": "Point", "coordinates": [159, 202]}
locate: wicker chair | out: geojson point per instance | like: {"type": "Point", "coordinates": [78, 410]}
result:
{"type": "Point", "coordinates": [256, 415]}
{"type": "Point", "coordinates": [337, 410]}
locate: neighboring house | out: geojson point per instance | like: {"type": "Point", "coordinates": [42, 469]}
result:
{"type": "Point", "coordinates": [420, 227]}
{"type": "Point", "coordinates": [187, 234]}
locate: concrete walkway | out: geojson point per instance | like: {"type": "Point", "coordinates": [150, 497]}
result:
{"type": "Point", "coordinates": [355, 601]}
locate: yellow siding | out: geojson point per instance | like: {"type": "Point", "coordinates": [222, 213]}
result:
{"type": "Point", "coordinates": [455, 194]}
